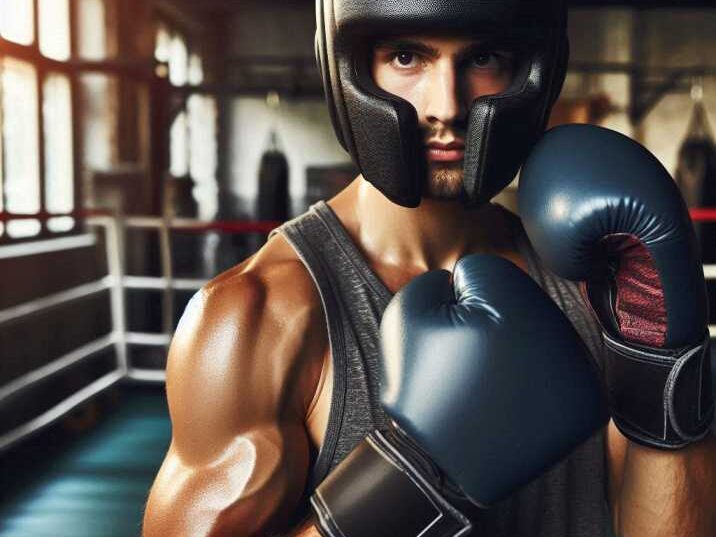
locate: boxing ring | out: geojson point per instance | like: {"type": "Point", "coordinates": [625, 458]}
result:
{"type": "Point", "coordinates": [114, 230]}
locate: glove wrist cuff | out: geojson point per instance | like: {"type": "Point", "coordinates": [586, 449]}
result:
{"type": "Point", "coordinates": [378, 492]}
{"type": "Point", "coordinates": [660, 398]}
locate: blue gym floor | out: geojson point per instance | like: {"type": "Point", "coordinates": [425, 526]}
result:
{"type": "Point", "coordinates": [92, 483]}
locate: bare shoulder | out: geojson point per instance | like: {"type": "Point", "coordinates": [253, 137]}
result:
{"type": "Point", "coordinates": [272, 282]}
{"type": "Point", "coordinates": [260, 325]}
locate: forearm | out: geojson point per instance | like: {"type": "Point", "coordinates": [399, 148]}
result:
{"type": "Point", "coordinates": [667, 493]}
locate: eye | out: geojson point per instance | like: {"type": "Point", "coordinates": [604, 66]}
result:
{"type": "Point", "coordinates": [485, 60]}
{"type": "Point", "coordinates": [405, 59]}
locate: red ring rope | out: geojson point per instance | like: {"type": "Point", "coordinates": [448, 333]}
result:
{"type": "Point", "coordinates": [698, 215]}
{"type": "Point", "coordinates": [703, 214]}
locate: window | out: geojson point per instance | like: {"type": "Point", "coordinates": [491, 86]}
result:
{"type": "Point", "coordinates": [185, 66]}
{"type": "Point", "coordinates": [195, 71]}
{"type": "Point", "coordinates": [20, 144]}
{"type": "Point", "coordinates": [98, 120]}
{"type": "Point", "coordinates": [193, 135]}
{"type": "Point", "coordinates": [178, 61]}
{"type": "Point", "coordinates": [39, 87]}
{"type": "Point", "coordinates": [179, 146]}
{"type": "Point", "coordinates": [55, 29]}
{"type": "Point", "coordinates": [163, 44]}
{"type": "Point", "coordinates": [59, 162]}
{"type": "Point", "coordinates": [91, 29]}
{"type": "Point", "coordinates": [36, 118]}
{"type": "Point", "coordinates": [203, 151]}
{"type": "Point", "coordinates": [16, 23]}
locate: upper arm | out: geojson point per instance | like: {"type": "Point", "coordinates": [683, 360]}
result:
{"type": "Point", "coordinates": [240, 376]}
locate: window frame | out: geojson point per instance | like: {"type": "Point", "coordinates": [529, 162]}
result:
{"type": "Point", "coordinates": [45, 67]}
{"type": "Point", "coordinates": [182, 93]}
{"type": "Point", "coordinates": [123, 70]}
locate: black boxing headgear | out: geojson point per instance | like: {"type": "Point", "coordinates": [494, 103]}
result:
{"type": "Point", "coordinates": [381, 131]}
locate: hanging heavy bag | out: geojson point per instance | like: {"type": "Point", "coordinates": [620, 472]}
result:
{"type": "Point", "coordinates": [273, 199]}
{"type": "Point", "coordinates": [696, 176]}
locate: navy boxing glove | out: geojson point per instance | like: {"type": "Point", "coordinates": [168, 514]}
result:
{"type": "Point", "coordinates": [487, 385]}
{"type": "Point", "coordinates": [600, 209]}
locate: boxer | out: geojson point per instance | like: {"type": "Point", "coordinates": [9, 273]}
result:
{"type": "Point", "coordinates": [295, 412]}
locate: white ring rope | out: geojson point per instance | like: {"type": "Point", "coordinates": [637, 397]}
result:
{"type": "Point", "coordinates": [117, 283]}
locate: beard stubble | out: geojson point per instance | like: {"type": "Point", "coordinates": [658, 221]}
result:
{"type": "Point", "coordinates": [444, 181]}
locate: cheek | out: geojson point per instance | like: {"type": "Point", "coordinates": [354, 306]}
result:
{"type": "Point", "coordinates": [407, 87]}
{"type": "Point", "coordinates": [414, 90]}
{"type": "Point", "coordinates": [483, 84]}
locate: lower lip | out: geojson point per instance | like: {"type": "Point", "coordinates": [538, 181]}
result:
{"type": "Point", "coordinates": [445, 155]}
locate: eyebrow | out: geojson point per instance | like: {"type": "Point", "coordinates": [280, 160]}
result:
{"type": "Point", "coordinates": [432, 52]}
{"type": "Point", "coordinates": [408, 44]}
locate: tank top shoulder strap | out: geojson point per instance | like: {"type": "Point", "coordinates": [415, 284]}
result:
{"type": "Point", "coordinates": [353, 299]}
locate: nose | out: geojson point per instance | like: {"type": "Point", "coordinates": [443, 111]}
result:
{"type": "Point", "coordinates": [444, 104]}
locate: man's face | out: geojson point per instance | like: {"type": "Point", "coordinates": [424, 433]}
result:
{"type": "Point", "coordinates": [441, 77]}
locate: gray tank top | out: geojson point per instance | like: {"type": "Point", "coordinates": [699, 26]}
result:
{"type": "Point", "coordinates": [569, 500]}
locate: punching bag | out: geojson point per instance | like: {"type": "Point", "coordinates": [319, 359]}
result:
{"type": "Point", "coordinates": [273, 198]}
{"type": "Point", "coordinates": [696, 175]}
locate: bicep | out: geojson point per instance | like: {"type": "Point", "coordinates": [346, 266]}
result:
{"type": "Point", "coordinates": [253, 487]}
{"type": "Point", "coordinates": [239, 455]}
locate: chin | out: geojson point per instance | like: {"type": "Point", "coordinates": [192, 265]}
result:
{"type": "Point", "coordinates": [445, 183]}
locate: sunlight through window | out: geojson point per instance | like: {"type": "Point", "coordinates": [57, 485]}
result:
{"type": "Point", "coordinates": [55, 29]}
{"type": "Point", "coordinates": [99, 120]}
{"type": "Point", "coordinates": [162, 48]}
{"type": "Point", "coordinates": [178, 61]}
{"type": "Point", "coordinates": [16, 21]}
{"type": "Point", "coordinates": [203, 152]}
{"type": "Point", "coordinates": [59, 168]}
{"type": "Point", "coordinates": [91, 29]}
{"type": "Point", "coordinates": [179, 146]}
{"type": "Point", "coordinates": [196, 70]}
{"type": "Point", "coordinates": [20, 137]}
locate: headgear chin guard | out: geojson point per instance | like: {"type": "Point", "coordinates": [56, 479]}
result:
{"type": "Point", "coordinates": [381, 131]}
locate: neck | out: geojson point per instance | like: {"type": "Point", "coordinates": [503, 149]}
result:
{"type": "Point", "coordinates": [434, 235]}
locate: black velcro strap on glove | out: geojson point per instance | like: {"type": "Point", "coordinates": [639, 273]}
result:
{"type": "Point", "coordinates": [377, 492]}
{"type": "Point", "coordinates": [660, 398]}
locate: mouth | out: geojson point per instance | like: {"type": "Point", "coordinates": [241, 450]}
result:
{"type": "Point", "coordinates": [446, 152]}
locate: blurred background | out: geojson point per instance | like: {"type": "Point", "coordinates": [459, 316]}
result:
{"type": "Point", "coordinates": [147, 145]}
